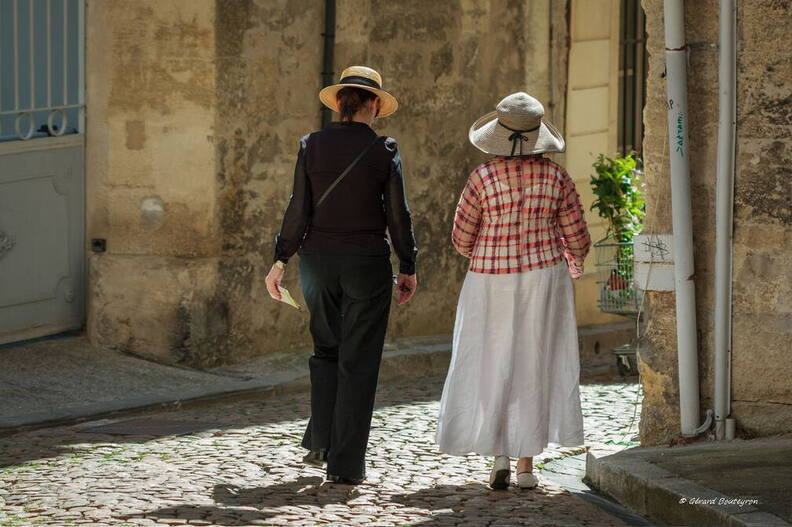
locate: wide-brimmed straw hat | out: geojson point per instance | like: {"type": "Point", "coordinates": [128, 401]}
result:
{"type": "Point", "coordinates": [364, 78]}
{"type": "Point", "coordinates": [516, 128]}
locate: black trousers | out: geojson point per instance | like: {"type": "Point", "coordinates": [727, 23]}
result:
{"type": "Point", "coordinates": [349, 300]}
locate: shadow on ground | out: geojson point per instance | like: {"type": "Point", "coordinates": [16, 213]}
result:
{"type": "Point", "coordinates": [302, 491]}
{"type": "Point", "coordinates": [309, 490]}
{"type": "Point", "coordinates": [75, 441]}
{"type": "Point", "coordinates": [470, 504]}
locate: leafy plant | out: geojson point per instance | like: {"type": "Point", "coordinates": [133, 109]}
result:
{"type": "Point", "coordinates": [620, 202]}
{"type": "Point", "coordinates": [618, 198]}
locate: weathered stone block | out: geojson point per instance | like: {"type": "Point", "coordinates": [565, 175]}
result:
{"type": "Point", "coordinates": [761, 271]}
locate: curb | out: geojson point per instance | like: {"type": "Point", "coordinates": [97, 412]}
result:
{"type": "Point", "coordinates": [658, 494]}
{"type": "Point", "coordinates": [420, 361]}
{"type": "Point", "coordinates": [558, 471]}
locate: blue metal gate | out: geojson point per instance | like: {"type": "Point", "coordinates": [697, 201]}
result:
{"type": "Point", "coordinates": [42, 183]}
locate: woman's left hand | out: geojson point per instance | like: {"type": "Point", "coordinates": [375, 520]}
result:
{"type": "Point", "coordinates": [273, 281]}
{"type": "Point", "coordinates": [575, 269]}
{"type": "Point", "coordinates": [406, 284]}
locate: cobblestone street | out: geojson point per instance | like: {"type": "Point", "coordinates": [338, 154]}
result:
{"type": "Point", "coordinates": [243, 468]}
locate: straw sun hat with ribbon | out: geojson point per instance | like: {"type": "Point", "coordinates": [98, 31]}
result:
{"type": "Point", "coordinates": [363, 78]}
{"type": "Point", "coordinates": [516, 128]}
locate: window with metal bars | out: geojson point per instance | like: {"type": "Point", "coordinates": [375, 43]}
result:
{"type": "Point", "coordinates": [632, 76]}
{"type": "Point", "coordinates": [41, 68]}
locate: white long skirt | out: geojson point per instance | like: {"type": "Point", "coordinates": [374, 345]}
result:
{"type": "Point", "coordinates": [513, 383]}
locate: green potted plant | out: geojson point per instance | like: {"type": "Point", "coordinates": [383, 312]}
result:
{"type": "Point", "coordinates": [618, 200]}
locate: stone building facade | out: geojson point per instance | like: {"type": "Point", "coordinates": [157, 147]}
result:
{"type": "Point", "coordinates": [194, 112]}
{"type": "Point", "coordinates": [762, 274]}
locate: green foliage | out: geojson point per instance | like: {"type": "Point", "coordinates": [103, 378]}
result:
{"type": "Point", "coordinates": [618, 199]}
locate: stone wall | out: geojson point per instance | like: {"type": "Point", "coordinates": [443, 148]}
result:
{"type": "Point", "coordinates": [195, 109]}
{"type": "Point", "coordinates": [591, 129]}
{"type": "Point", "coordinates": [448, 65]}
{"type": "Point", "coordinates": [762, 276]}
{"type": "Point", "coordinates": [150, 171]}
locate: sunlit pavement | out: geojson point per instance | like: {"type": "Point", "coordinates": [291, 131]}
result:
{"type": "Point", "coordinates": [243, 468]}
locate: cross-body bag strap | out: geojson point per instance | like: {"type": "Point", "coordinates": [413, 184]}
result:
{"type": "Point", "coordinates": [345, 172]}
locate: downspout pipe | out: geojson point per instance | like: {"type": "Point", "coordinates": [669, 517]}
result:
{"type": "Point", "coordinates": [676, 86]}
{"type": "Point", "coordinates": [327, 58]}
{"type": "Point", "coordinates": [724, 208]}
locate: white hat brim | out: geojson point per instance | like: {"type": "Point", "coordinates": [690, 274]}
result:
{"type": "Point", "coordinates": [328, 96]}
{"type": "Point", "coordinates": [491, 138]}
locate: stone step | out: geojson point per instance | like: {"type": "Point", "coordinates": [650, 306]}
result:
{"type": "Point", "coordinates": [634, 479]}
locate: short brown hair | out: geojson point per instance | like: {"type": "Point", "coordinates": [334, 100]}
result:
{"type": "Point", "coordinates": [350, 100]}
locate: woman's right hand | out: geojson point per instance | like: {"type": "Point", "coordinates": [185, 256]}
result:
{"type": "Point", "coordinates": [406, 286]}
{"type": "Point", "coordinates": [273, 281]}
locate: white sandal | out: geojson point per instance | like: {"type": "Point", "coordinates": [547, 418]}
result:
{"type": "Point", "coordinates": [500, 474]}
{"type": "Point", "coordinates": [527, 480]}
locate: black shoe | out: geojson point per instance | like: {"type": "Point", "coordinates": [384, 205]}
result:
{"type": "Point", "coordinates": [342, 480]}
{"type": "Point", "coordinates": [317, 458]}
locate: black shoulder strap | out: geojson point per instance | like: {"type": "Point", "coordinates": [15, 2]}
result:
{"type": "Point", "coordinates": [345, 172]}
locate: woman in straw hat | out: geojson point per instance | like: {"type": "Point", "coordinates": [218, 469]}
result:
{"type": "Point", "coordinates": [512, 386]}
{"type": "Point", "coordinates": [348, 191]}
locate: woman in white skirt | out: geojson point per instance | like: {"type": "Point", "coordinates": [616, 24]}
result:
{"type": "Point", "coordinates": [513, 383]}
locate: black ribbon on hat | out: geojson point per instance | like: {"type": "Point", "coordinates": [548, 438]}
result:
{"type": "Point", "coordinates": [518, 137]}
{"type": "Point", "coordinates": [364, 81]}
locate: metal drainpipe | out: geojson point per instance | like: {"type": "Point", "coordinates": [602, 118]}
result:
{"type": "Point", "coordinates": [724, 208]}
{"type": "Point", "coordinates": [676, 85]}
{"type": "Point", "coordinates": [327, 61]}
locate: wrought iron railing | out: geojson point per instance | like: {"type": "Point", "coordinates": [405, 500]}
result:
{"type": "Point", "coordinates": [41, 68]}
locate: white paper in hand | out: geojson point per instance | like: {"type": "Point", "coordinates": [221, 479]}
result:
{"type": "Point", "coordinates": [286, 297]}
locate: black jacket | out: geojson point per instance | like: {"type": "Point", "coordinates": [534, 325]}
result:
{"type": "Point", "coordinates": [354, 217]}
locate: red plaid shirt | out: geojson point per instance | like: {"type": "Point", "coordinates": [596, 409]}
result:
{"type": "Point", "coordinates": [520, 213]}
